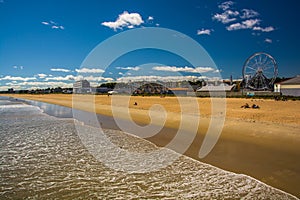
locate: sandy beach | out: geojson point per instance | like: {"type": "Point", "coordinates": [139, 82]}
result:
{"type": "Point", "coordinates": [263, 143]}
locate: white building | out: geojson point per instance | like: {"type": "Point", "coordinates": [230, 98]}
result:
{"type": "Point", "coordinates": [289, 87]}
{"type": "Point", "coordinates": [82, 87]}
{"type": "Point", "coordinates": [215, 90]}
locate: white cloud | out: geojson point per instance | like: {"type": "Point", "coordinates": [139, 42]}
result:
{"type": "Point", "coordinates": [268, 40]}
{"type": "Point", "coordinates": [17, 78]}
{"type": "Point", "coordinates": [18, 67]}
{"type": "Point", "coordinates": [150, 18]}
{"type": "Point", "coordinates": [230, 15]}
{"type": "Point", "coordinates": [40, 84]}
{"type": "Point", "coordinates": [94, 78]}
{"type": "Point", "coordinates": [129, 20]}
{"type": "Point", "coordinates": [183, 69]}
{"type": "Point", "coordinates": [5, 88]}
{"type": "Point", "coordinates": [60, 70]}
{"type": "Point", "coordinates": [204, 32]}
{"type": "Point", "coordinates": [248, 13]}
{"type": "Point", "coordinates": [61, 78]}
{"type": "Point", "coordinates": [89, 70]}
{"type": "Point", "coordinates": [129, 68]}
{"type": "Point", "coordinates": [266, 29]}
{"type": "Point", "coordinates": [226, 5]}
{"type": "Point", "coordinates": [57, 27]}
{"type": "Point", "coordinates": [248, 24]}
{"type": "Point", "coordinates": [80, 77]}
{"type": "Point", "coordinates": [42, 75]}
{"type": "Point", "coordinates": [13, 83]}
{"type": "Point", "coordinates": [53, 25]}
{"type": "Point", "coordinates": [235, 26]}
{"type": "Point", "coordinates": [226, 17]}
{"type": "Point", "coordinates": [158, 78]}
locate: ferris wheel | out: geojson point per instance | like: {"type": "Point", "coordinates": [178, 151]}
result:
{"type": "Point", "coordinates": [260, 71]}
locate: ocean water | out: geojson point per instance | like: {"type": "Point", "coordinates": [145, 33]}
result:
{"type": "Point", "coordinates": [43, 157]}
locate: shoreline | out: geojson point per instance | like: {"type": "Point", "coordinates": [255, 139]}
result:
{"type": "Point", "coordinates": [265, 150]}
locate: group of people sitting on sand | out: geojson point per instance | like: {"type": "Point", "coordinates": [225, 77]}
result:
{"type": "Point", "coordinates": [247, 106]}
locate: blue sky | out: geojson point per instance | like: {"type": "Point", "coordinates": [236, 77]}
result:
{"type": "Point", "coordinates": [44, 43]}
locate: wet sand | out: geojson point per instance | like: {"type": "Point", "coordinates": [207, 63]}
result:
{"type": "Point", "coordinates": [263, 143]}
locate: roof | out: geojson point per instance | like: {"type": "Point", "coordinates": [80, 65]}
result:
{"type": "Point", "coordinates": [209, 88]}
{"type": "Point", "coordinates": [292, 81]}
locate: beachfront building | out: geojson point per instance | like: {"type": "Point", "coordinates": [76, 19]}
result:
{"type": "Point", "coordinates": [82, 87]}
{"type": "Point", "coordinates": [215, 90]}
{"type": "Point", "coordinates": [290, 87]}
